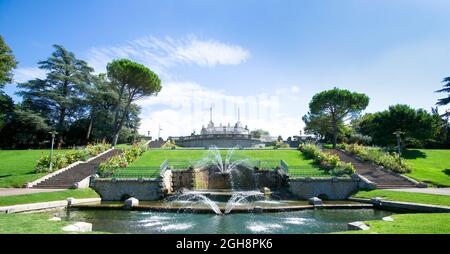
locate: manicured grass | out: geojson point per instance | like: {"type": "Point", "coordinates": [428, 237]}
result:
{"type": "Point", "coordinates": [17, 166]}
{"type": "Point", "coordinates": [269, 159]}
{"type": "Point", "coordinates": [422, 198]}
{"type": "Point", "coordinates": [419, 223]}
{"type": "Point", "coordinates": [33, 223]}
{"type": "Point", "coordinates": [429, 165]}
{"type": "Point", "coordinates": [47, 196]}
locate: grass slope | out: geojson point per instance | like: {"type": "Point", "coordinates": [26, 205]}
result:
{"type": "Point", "coordinates": [17, 166]}
{"type": "Point", "coordinates": [269, 158]}
{"type": "Point", "coordinates": [420, 223]}
{"type": "Point", "coordinates": [429, 165]}
{"type": "Point", "coordinates": [47, 196]}
{"type": "Point", "coordinates": [422, 198]}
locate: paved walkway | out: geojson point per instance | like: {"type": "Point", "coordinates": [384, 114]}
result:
{"type": "Point", "coordinates": [20, 191]}
{"type": "Point", "coordinates": [440, 191]}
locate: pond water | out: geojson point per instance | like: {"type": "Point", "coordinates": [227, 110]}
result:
{"type": "Point", "coordinates": [296, 222]}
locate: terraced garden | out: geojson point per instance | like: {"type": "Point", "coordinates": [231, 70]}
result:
{"type": "Point", "coordinates": [148, 165]}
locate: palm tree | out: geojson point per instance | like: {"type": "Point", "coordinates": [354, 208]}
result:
{"type": "Point", "coordinates": [446, 89]}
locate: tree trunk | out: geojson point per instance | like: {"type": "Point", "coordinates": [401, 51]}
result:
{"type": "Point", "coordinates": [116, 116]}
{"type": "Point", "coordinates": [91, 122]}
{"type": "Point", "coordinates": [62, 115]}
{"type": "Point", "coordinates": [335, 130]}
{"type": "Point", "coordinates": [122, 120]}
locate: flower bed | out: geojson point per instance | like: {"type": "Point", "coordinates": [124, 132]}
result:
{"type": "Point", "coordinates": [62, 160]}
{"type": "Point", "coordinates": [378, 156]}
{"type": "Point", "coordinates": [329, 162]}
{"type": "Point", "coordinates": [108, 168]}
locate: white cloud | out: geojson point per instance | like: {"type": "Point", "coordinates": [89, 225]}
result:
{"type": "Point", "coordinates": [160, 54]}
{"type": "Point", "coordinates": [27, 73]}
{"type": "Point", "coordinates": [182, 107]}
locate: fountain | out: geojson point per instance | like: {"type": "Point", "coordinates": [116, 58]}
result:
{"type": "Point", "coordinates": [230, 183]}
{"type": "Point", "coordinates": [193, 196]}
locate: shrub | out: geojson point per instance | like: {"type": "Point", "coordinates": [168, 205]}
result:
{"type": "Point", "coordinates": [107, 169]}
{"type": "Point", "coordinates": [378, 156]}
{"type": "Point", "coordinates": [77, 155]}
{"type": "Point", "coordinates": [96, 149]}
{"type": "Point", "coordinates": [61, 160]}
{"type": "Point", "coordinates": [343, 168]}
{"type": "Point", "coordinates": [43, 164]}
{"type": "Point", "coordinates": [310, 151]}
{"type": "Point", "coordinates": [326, 161]}
{"type": "Point", "coordinates": [281, 144]}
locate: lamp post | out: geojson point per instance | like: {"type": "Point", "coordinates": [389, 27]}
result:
{"type": "Point", "coordinates": [51, 150]}
{"type": "Point", "coordinates": [399, 140]}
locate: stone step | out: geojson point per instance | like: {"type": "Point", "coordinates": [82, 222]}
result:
{"type": "Point", "coordinates": [68, 178]}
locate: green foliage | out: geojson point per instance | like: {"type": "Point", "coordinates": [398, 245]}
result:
{"type": "Point", "coordinates": [7, 63]}
{"type": "Point", "coordinates": [96, 149]}
{"type": "Point", "coordinates": [130, 154]}
{"type": "Point", "coordinates": [280, 144]}
{"type": "Point", "coordinates": [63, 159]}
{"type": "Point", "coordinates": [132, 81]}
{"type": "Point", "coordinates": [77, 155]}
{"type": "Point", "coordinates": [58, 161]}
{"type": "Point", "coordinates": [62, 91]}
{"type": "Point", "coordinates": [378, 156]}
{"type": "Point", "coordinates": [329, 162]}
{"type": "Point", "coordinates": [446, 89]}
{"type": "Point", "coordinates": [328, 110]}
{"type": "Point", "coordinates": [419, 126]}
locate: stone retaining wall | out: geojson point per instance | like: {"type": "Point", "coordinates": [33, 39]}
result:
{"type": "Point", "coordinates": [336, 188]}
{"type": "Point", "coordinates": [121, 189]}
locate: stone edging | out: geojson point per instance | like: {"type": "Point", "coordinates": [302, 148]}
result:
{"type": "Point", "coordinates": [45, 205]}
{"type": "Point", "coordinates": [398, 205]}
{"type": "Point", "coordinates": [59, 171]}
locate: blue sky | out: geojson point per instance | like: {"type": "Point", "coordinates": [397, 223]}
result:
{"type": "Point", "coordinates": [266, 57]}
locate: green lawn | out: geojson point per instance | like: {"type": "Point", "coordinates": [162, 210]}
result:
{"type": "Point", "coordinates": [17, 166]}
{"type": "Point", "coordinates": [422, 198]}
{"type": "Point", "coordinates": [269, 159]}
{"type": "Point", "coordinates": [34, 223]}
{"type": "Point", "coordinates": [420, 223]}
{"type": "Point", "coordinates": [47, 196]}
{"type": "Point", "coordinates": [429, 165]}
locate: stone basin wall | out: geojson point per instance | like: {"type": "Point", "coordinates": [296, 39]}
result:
{"type": "Point", "coordinates": [335, 188]}
{"type": "Point", "coordinates": [121, 189]}
{"type": "Point", "coordinates": [211, 178]}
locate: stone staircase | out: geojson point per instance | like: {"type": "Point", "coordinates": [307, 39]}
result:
{"type": "Point", "coordinates": [384, 179]}
{"type": "Point", "coordinates": [70, 177]}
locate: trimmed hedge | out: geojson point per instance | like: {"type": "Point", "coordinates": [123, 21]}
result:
{"type": "Point", "coordinates": [329, 162]}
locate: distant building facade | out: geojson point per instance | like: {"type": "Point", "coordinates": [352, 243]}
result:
{"type": "Point", "coordinates": [228, 135]}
